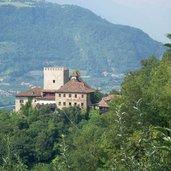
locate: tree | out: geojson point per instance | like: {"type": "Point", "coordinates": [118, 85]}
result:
{"type": "Point", "coordinates": [96, 96]}
{"type": "Point", "coordinates": [168, 44]}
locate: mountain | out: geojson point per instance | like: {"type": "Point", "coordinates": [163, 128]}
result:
{"type": "Point", "coordinates": [38, 34]}
{"type": "Point", "coordinates": [32, 37]}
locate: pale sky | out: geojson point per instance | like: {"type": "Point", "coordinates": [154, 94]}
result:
{"type": "Point", "coordinates": [151, 16]}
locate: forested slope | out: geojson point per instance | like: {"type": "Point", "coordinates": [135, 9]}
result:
{"type": "Point", "coordinates": [135, 134]}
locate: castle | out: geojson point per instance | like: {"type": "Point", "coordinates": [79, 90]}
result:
{"type": "Point", "coordinates": [58, 90]}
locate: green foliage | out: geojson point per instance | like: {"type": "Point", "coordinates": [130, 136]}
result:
{"type": "Point", "coordinates": [32, 135]}
{"type": "Point", "coordinates": [135, 134]}
{"type": "Point", "coordinates": [168, 44]}
{"type": "Point", "coordinates": [150, 62]}
{"type": "Point", "coordinates": [151, 85]}
{"type": "Point", "coordinates": [60, 162]}
{"type": "Point", "coordinates": [125, 138]}
{"type": "Point", "coordinates": [42, 167]}
{"type": "Point", "coordinates": [27, 108]}
{"type": "Point", "coordinates": [96, 96]}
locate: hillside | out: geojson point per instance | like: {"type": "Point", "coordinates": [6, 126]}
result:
{"type": "Point", "coordinates": [134, 134]}
{"type": "Point", "coordinates": [35, 35]}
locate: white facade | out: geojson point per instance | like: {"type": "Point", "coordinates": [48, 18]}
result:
{"type": "Point", "coordinates": [45, 102]}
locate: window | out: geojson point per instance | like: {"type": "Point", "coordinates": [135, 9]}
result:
{"type": "Point", "coordinates": [53, 81]}
{"type": "Point", "coordinates": [69, 95]}
{"type": "Point", "coordinates": [82, 95]}
{"type": "Point", "coordinates": [59, 103]}
{"type": "Point", "coordinates": [21, 101]}
{"type": "Point", "coordinates": [69, 103]}
{"type": "Point", "coordinates": [59, 95]}
{"type": "Point", "coordinates": [63, 95]}
{"type": "Point", "coordinates": [75, 104]}
{"type": "Point", "coordinates": [82, 104]}
{"type": "Point", "coordinates": [75, 95]}
{"type": "Point", "coordinates": [64, 103]}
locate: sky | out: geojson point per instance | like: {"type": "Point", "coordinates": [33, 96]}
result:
{"type": "Point", "coordinates": [151, 16]}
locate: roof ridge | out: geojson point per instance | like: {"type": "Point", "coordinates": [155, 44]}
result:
{"type": "Point", "coordinates": [31, 93]}
{"type": "Point", "coordinates": [76, 86]}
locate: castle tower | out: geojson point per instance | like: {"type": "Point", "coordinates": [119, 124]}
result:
{"type": "Point", "coordinates": [55, 77]}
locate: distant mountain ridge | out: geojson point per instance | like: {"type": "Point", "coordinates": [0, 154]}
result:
{"type": "Point", "coordinates": [46, 34]}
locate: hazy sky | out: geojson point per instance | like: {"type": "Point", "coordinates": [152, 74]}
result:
{"type": "Point", "coordinates": [151, 16]}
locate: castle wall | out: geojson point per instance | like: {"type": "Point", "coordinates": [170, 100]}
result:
{"type": "Point", "coordinates": [71, 99]}
{"type": "Point", "coordinates": [19, 101]}
{"type": "Point", "coordinates": [55, 77]}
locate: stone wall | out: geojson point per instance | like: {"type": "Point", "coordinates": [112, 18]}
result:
{"type": "Point", "coordinates": [72, 99]}
{"type": "Point", "coordinates": [55, 77]}
{"type": "Point", "coordinates": [19, 101]}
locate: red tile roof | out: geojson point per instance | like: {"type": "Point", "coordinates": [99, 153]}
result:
{"type": "Point", "coordinates": [103, 103]}
{"type": "Point", "coordinates": [49, 90]}
{"type": "Point", "coordinates": [75, 86]}
{"type": "Point", "coordinates": [51, 98]}
{"type": "Point", "coordinates": [108, 98]}
{"type": "Point", "coordinates": [35, 92]}
{"type": "Point", "coordinates": [105, 100]}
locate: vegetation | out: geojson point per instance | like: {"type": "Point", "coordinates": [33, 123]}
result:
{"type": "Point", "coordinates": [65, 35]}
{"type": "Point", "coordinates": [134, 135]}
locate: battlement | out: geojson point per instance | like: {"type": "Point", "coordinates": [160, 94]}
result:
{"type": "Point", "coordinates": [55, 68]}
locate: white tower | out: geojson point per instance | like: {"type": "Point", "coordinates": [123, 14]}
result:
{"type": "Point", "coordinates": [55, 77]}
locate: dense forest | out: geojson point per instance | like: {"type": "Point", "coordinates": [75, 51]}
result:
{"type": "Point", "coordinates": [135, 134]}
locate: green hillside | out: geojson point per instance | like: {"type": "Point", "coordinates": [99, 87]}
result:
{"type": "Point", "coordinates": [34, 35]}
{"type": "Point", "coordinates": [133, 135]}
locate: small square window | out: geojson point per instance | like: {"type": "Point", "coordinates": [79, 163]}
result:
{"type": "Point", "coordinates": [75, 104]}
{"type": "Point", "coordinates": [59, 103]}
{"type": "Point", "coordinates": [53, 81]}
{"type": "Point", "coordinates": [75, 95]}
{"type": "Point", "coordinates": [69, 95]}
{"type": "Point", "coordinates": [64, 103]}
{"type": "Point", "coordinates": [69, 103]}
{"type": "Point", "coordinates": [82, 95]}
{"type": "Point", "coordinates": [59, 95]}
{"type": "Point", "coordinates": [82, 104]}
{"type": "Point", "coordinates": [63, 95]}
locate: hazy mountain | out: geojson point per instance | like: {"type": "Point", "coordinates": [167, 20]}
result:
{"type": "Point", "coordinates": [37, 35]}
